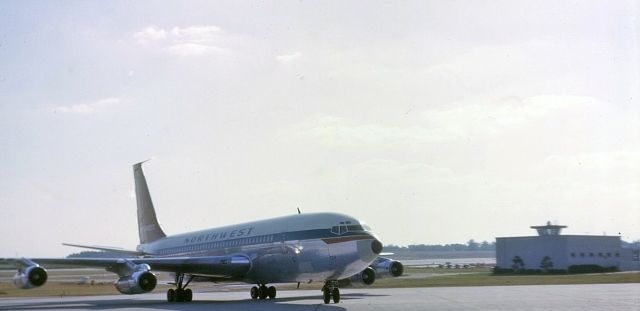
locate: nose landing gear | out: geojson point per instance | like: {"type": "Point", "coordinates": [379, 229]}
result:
{"type": "Point", "coordinates": [331, 290]}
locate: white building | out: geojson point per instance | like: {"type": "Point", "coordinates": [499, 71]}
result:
{"type": "Point", "coordinates": [550, 250]}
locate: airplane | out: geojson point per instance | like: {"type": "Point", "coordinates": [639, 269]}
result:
{"type": "Point", "coordinates": [299, 248]}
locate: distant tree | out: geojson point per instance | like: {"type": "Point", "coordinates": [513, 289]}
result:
{"type": "Point", "coordinates": [546, 264]}
{"type": "Point", "coordinates": [472, 245]}
{"type": "Point", "coordinates": [486, 246]}
{"type": "Point", "coordinates": [518, 264]}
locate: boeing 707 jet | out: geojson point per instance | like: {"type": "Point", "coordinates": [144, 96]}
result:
{"type": "Point", "coordinates": [313, 247]}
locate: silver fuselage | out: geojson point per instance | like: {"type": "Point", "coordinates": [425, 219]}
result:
{"type": "Point", "coordinates": [297, 248]}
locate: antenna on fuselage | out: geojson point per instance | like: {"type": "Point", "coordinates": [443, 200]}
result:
{"type": "Point", "coordinates": [299, 212]}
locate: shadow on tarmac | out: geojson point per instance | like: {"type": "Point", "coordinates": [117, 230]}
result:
{"type": "Point", "coordinates": [81, 303]}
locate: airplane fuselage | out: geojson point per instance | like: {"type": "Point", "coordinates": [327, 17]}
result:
{"type": "Point", "coordinates": [297, 248]}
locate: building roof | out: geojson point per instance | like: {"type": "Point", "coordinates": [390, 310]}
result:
{"type": "Point", "coordinates": [548, 229]}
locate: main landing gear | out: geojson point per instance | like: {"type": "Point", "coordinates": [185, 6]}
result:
{"type": "Point", "coordinates": [330, 290]}
{"type": "Point", "coordinates": [262, 292]}
{"type": "Point", "coordinates": [181, 293]}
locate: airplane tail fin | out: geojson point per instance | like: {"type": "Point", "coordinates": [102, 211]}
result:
{"type": "Point", "coordinates": [148, 226]}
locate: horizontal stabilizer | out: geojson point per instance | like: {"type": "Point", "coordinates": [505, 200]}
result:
{"type": "Point", "coordinates": [109, 249]}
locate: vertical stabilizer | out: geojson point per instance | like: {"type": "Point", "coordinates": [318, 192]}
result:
{"type": "Point", "coordinates": [148, 226]}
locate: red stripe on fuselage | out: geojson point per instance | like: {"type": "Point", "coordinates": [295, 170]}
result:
{"type": "Point", "coordinates": [346, 239]}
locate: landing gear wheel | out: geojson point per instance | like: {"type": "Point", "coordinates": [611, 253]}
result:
{"type": "Point", "coordinates": [336, 295]}
{"type": "Point", "coordinates": [271, 292]}
{"type": "Point", "coordinates": [262, 292]}
{"type": "Point", "coordinates": [179, 295]}
{"type": "Point", "coordinates": [326, 295]}
{"type": "Point", "coordinates": [254, 292]}
{"type": "Point", "coordinates": [171, 295]}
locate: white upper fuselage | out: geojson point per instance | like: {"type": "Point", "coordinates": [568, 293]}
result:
{"type": "Point", "coordinates": [296, 248]}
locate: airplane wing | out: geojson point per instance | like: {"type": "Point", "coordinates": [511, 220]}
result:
{"type": "Point", "coordinates": [232, 266]}
{"type": "Point", "coordinates": [136, 275]}
{"type": "Point", "coordinates": [109, 249]}
{"type": "Point", "coordinates": [220, 267]}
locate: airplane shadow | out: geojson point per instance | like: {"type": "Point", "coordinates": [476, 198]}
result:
{"type": "Point", "coordinates": [82, 303]}
{"type": "Point", "coordinates": [79, 303]}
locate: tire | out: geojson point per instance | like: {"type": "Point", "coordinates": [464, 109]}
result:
{"type": "Point", "coordinates": [326, 295]}
{"type": "Point", "coordinates": [262, 292]}
{"type": "Point", "coordinates": [271, 292]}
{"type": "Point", "coordinates": [179, 295]}
{"type": "Point", "coordinates": [188, 295]}
{"type": "Point", "coordinates": [171, 295]}
{"type": "Point", "coordinates": [254, 292]}
{"type": "Point", "coordinates": [336, 295]}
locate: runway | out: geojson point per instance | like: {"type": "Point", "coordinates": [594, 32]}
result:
{"type": "Point", "coordinates": [535, 297]}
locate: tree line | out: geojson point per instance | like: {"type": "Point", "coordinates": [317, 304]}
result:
{"type": "Point", "coordinates": [471, 245]}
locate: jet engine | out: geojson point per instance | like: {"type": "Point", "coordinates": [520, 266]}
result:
{"type": "Point", "coordinates": [385, 267]}
{"type": "Point", "coordinates": [366, 277]}
{"type": "Point", "coordinates": [141, 281]}
{"type": "Point", "coordinates": [30, 277]}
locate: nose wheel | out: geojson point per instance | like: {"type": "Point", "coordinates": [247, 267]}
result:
{"type": "Point", "coordinates": [263, 292]}
{"type": "Point", "coordinates": [331, 291]}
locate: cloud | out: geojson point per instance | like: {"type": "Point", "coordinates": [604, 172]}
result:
{"type": "Point", "coordinates": [90, 108]}
{"type": "Point", "coordinates": [150, 33]}
{"type": "Point", "coordinates": [617, 167]}
{"type": "Point", "coordinates": [196, 33]}
{"type": "Point", "coordinates": [187, 49]}
{"type": "Point", "coordinates": [186, 41]}
{"type": "Point", "coordinates": [458, 121]}
{"type": "Point", "coordinates": [288, 58]}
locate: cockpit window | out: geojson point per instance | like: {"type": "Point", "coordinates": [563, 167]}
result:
{"type": "Point", "coordinates": [355, 228]}
{"type": "Point", "coordinates": [342, 228]}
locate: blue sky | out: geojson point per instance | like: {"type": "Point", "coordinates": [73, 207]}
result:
{"type": "Point", "coordinates": [434, 121]}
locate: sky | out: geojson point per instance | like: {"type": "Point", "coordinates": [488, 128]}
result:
{"type": "Point", "coordinates": [433, 121]}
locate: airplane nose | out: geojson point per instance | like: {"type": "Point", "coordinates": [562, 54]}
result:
{"type": "Point", "coordinates": [376, 247]}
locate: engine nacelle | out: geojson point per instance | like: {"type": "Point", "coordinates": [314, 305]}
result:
{"type": "Point", "coordinates": [139, 282]}
{"type": "Point", "coordinates": [385, 267]}
{"type": "Point", "coordinates": [366, 277]}
{"type": "Point", "coordinates": [30, 277]}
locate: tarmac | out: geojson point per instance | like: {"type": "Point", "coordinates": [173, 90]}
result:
{"type": "Point", "coordinates": [532, 297]}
